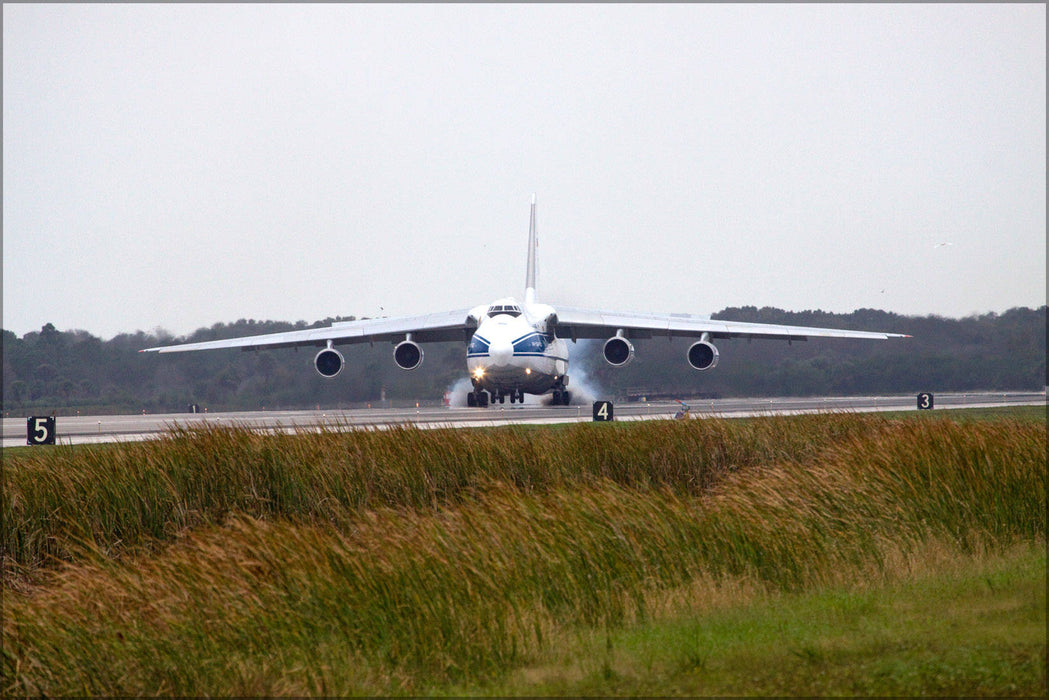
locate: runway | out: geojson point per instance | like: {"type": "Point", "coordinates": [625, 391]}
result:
{"type": "Point", "coordinates": [99, 429]}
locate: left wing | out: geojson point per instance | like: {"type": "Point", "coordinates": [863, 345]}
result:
{"type": "Point", "coordinates": [577, 323]}
{"type": "Point", "coordinates": [430, 328]}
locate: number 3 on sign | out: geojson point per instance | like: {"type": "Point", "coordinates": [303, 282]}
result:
{"type": "Point", "coordinates": [924, 401]}
{"type": "Point", "coordinates": [41, 430]}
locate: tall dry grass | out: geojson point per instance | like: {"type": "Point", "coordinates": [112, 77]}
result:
{"type": "Point", "coordinates": [126, 495]}
{"type": "Point", "coordinates": [446, 563]}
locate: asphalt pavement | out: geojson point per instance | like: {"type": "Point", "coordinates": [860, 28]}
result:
{"type": "Point", "coordinates": [94, 429]}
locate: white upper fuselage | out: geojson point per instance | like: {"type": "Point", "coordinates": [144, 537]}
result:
{"type": "Point", "coordinates": [513, 350]}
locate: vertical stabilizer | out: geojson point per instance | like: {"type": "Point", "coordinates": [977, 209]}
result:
{"type": "Point", "coordinates": [532, 245]}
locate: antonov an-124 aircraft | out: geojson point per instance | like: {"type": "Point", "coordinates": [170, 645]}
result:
{"type": "Point", "coordinates": [515, 348]}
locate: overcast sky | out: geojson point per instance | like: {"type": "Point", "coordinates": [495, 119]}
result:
{"type": "Point", "coordinates": [173, 166]}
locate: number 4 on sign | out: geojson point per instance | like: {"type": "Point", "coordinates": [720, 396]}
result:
{"type": "Point", "coordinates": [602, 411]}
{"type": "Point", "coordinates": [41, 430]}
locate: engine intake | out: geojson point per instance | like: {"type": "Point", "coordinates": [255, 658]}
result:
{"type": "Point", "coordinates": [329, 362]}
{"type": "Point", "coordinates": [702, 355]}
{"type": "Point", "coordinates": [408, 355]}
{"type": "Point", "coordinates": [618, 351]}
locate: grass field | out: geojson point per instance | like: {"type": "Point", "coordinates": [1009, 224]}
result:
{"type": "Point", "coordinates": [829, 554]}
{"type": "Point", "coordinates": [946, 625]}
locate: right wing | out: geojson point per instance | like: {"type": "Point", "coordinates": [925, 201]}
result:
{"type": "Point", "coordinates": [430, 328]}
{"type": "Point", "coordinates": [578, 323]}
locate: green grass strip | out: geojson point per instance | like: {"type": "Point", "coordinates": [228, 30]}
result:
{"type": "Point", "coordinates": [977, 629]}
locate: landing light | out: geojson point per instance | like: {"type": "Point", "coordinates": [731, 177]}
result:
{"type": "Point", "coordinates": [479, 372]}
{"type": "Point", "coordinates": [528, 370]}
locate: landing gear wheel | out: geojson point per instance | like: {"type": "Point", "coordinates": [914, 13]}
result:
{"type": "Point", "coordinates": [481, 397]}
{"type": "Point", "coordinates": [561, 397]}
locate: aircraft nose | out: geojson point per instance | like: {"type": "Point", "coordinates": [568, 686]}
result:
{"type": "Point", "coordinates": [501, 352]}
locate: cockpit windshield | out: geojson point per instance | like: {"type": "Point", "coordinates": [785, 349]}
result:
{"type": "Point", "coordinates": [507, 309]}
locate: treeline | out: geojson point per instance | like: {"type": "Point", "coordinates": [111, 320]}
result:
{"type": "Point", "coordinates": [52, 370]}
{"type": "Point", "coordinates": [67, 371]}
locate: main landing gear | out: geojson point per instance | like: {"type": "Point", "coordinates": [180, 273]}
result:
{"type": "Point", "coordinates": [479, 398]}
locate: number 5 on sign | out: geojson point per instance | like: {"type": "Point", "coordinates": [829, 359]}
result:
{"type": "Point", "coordinates": [602, 411]}
{"type": "Point", "coordinates": [41, 430]}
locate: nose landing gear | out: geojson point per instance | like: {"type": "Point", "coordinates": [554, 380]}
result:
{"type": "Point", "coordinates": [562, 396]}
{"type": "Point", "coordinates": [516, 396]}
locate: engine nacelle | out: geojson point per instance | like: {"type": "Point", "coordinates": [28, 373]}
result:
{"type": "Point", "coordinates": [702, 355]}
{"type": "Point", "coordinates": [408, 355]}
{"type": "Point", "coordinates": [329, 362]}
{"type": "Point", "coordinates": [618, 351]}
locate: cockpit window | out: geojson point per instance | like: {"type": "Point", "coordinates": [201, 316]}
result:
{"type": "Point", "coordinates": [508, 309]}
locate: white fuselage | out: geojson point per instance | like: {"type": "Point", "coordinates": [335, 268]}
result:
{"type": "Point", "coordinates": [512, 350]}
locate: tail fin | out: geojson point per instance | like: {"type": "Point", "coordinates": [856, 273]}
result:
{"type": "Point", "coordinates": [532, 245]}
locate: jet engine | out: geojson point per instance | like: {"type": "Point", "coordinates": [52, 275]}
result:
{"type": "Point", "coordinates": [618, 351]}
{"type": "Point", "coordinates": [408, 355]}
{"type": "Point", "coordinates": [702, 355]}
{"type": "Point", "coordinates": [329, 362]}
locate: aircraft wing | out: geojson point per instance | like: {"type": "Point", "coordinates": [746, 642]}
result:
{"type": "Point", "coordinates": [577, 323]}
{"type": "Point", "coordinates": [430, 328]}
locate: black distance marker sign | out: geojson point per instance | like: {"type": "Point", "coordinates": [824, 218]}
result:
{"type": "Point", "coordinates": [40, 430]}
{"type": "Point", "coordinates": [602, 411]}
{"type": "Point", "coordinates": [924, 401]}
